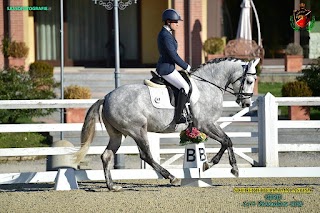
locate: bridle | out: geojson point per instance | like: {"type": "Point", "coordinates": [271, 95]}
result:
{"type": "Point", "coordinates": [240, 95]}
{"type": "Point", "coordinates": [243, 95]}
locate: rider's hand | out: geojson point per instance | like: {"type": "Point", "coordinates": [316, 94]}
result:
{"type": "Point", "coordinates": [188, 68]}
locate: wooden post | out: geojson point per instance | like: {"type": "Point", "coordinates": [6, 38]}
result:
{"type": "Point", "coordinates": [268, 131]}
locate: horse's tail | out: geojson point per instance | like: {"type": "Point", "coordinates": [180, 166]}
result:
{"type": "Point", "coordinates": [88, 130]}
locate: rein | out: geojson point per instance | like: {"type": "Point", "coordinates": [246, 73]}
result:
{"type": "Point", "coordinates": [221, 88]}
{"type": "Point", "coordinates": [240, 95]}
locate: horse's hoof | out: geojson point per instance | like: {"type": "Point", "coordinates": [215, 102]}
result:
{"type": "Point", "coordinates": [175, 181]}
{"type": "Point", "coordinates": [235, 172]}
{"type": "Point", "coordinates": [205, 166]}
{"type": "Point", "coordinates": [116, 188]}
{"type": "Point", "coordinates": [213, 161]}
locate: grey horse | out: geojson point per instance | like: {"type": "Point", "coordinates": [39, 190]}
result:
{"type": "Point", "coordinates": [128, 111]}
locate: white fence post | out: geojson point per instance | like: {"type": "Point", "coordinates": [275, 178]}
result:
{"type": "Point", "coordinates": [268, 131]}
{"type": "Point", "coordinates": [154, 145]}
{"type": "Point", "coordinates": [66, 179]}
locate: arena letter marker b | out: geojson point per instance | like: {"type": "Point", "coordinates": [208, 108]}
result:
{"type": "Point", "coordinates": [195, 157]}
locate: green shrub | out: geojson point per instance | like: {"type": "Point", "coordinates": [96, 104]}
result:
{"type": "Point", "coordinates": [296, 89]}
{"type": "Point", "coordinates": [18, 49]}
{"type": "Point", "coordinates": [41, 69]}
{"type": "Point", "coordinates": [16, 84]}
{"type": "Point", "coordinates": [294, 49]}
{"type": "Point", "coordinates": [5, 44]}
{"type": "Point", "coordinates": [214, 45]}
{"type": "Point", "coordinates": [312, 77]}
{"type": "Point", "coordinates": [22, 140]}
{"type": "Point", "coordinates": [77, 92]}
{"type": "Point", "coordinates": [41, 74]}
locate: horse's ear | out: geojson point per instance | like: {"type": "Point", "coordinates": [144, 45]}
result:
{"type": "Point", "coordinates": [245, 66]}
{"type": "Point", "coordinates": [255, 62]}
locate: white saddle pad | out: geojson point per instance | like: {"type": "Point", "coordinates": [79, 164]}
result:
{"type": "Point", "coordinates": [160, 96]}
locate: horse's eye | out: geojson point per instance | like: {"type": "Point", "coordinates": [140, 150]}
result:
{"type": "Point", "coordinates": [249, 81]}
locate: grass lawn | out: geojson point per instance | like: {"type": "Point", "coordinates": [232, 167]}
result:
{"type": "Point", "coordinates": [275, 89]}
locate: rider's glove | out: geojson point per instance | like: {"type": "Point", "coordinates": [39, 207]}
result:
{"type": "Point", "coordinates": [188, 68]}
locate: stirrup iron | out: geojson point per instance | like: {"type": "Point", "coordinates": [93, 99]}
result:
{"type": "Point", "coordinates": [189, 118]}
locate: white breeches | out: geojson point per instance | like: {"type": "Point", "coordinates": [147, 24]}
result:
{"type": "Point", "coordinates": [177, 80]}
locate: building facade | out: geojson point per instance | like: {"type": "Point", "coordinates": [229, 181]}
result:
{"type": "Point", "coordinates": [89, 29]}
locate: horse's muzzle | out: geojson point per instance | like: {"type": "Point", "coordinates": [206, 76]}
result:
{"type": "Point", "coordinates": [244, 99]}
{"type": "Point", "coordinates": [244, 102]}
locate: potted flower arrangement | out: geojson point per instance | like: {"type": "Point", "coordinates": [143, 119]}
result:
{"type": "Point", "coordinates": [214, 47]}
{"type": "Point", "coordinates": [76, 115]}
{"type": "Point", "coordinates": [297, 89]}
{"type": "Point", "coordinates": [15, 51]}
{"type": "Point", "coordinates": [195, 156]}
{"type": "Point", "coordinates": [192, 135]}
{"type": "Point", "coordinates": [293, 57]}
{"type": "Point", "coordinates": [18, 51]}
{"type": "Point", "coordinates": [41, 74]}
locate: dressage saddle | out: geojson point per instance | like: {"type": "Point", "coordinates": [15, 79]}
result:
{"type": "Point", "coordinates": [178, 98]}
{"type": "Point", "coordinates": [172, 90]}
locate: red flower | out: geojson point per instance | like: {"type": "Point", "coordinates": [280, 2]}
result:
{"type": "Point", "coordinates": [194, 132]}
{"type": "Point", "coordinates": [192, 136]}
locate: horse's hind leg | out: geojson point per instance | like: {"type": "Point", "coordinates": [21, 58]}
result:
{"type": "Point", "coordinates": [145, 154]}
{"type": "Point", "coordinates": [107, 156]}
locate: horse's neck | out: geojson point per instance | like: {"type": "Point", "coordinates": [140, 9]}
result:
{"type": "Point", "coordinates": [216, 74]}
{"type": "Point", "coordinates": [210, 92]}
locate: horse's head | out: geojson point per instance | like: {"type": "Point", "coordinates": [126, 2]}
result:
{"type": "Point", "coordinates": [243, 83]}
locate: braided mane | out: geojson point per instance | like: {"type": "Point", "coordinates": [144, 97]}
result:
{"type": "Point", "coordinates": [215, 61]}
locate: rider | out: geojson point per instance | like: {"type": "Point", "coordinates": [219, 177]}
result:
{"type": "Point", "coordinates": [167, 46]}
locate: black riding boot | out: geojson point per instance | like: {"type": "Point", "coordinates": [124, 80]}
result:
{"type": "Point", "coordinates": [179, 116]}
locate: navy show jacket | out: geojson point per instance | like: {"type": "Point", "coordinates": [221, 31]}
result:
{"type": "Point", "coordinates": [167, 46]}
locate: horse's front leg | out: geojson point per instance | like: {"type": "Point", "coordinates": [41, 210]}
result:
{"type": "Point", "coordinates": [215, 132]}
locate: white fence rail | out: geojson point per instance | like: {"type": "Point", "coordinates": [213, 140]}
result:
{"type": "Point", "coordinates": [58, 127]}
{"type": "Point", "coordinates": [268, 125]}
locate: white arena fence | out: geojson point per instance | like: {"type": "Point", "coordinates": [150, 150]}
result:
{"type": "Point", "coordinates": [268, 147]}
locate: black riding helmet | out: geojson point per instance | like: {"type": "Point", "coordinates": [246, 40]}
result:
{"type": "Point", "coordinates": [170, 14]}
